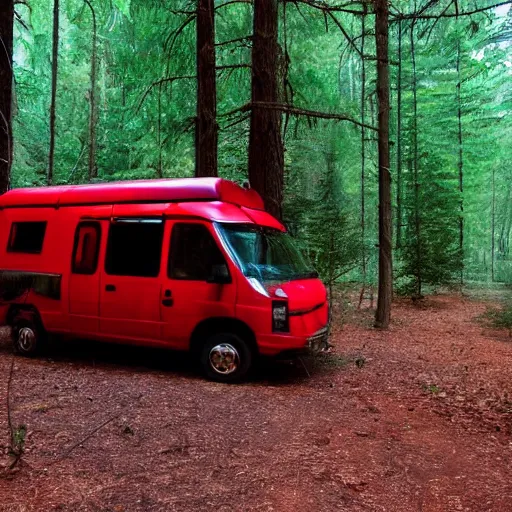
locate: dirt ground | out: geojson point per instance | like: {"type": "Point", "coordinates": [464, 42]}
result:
{"type": "Point", "coordinates": [418, 418]}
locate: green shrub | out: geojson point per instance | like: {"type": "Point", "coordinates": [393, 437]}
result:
{"type": "Point", "coordinates": [500, 318]}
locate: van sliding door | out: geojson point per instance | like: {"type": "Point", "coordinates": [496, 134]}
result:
{"type": "Point", "coordinates": [130, 284]}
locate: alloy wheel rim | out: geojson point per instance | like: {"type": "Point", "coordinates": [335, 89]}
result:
{"type": "Point", "coordinates": [26, 339]}
{"type": "Point", "coordinates": [224, 358]}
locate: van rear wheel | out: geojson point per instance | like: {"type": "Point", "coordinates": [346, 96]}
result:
{"type": "Point", "coordinates": [226, 357]}
{"type": "Point", "coordinates": [28, 337]}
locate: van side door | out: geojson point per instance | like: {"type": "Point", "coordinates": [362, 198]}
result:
{"type": "Point", "coordinates": [130, 280]}
{"type": "Point", "coordinates": [187, 296]}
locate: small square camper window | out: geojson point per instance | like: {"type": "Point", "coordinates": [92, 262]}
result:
{"type": "Point", "coordinates": [27, 237]}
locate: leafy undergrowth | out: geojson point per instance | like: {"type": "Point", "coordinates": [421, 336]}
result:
{"type": "Point", "coordinates": [415, 418]}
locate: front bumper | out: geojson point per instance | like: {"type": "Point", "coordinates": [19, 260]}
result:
{"type": "Point", "coordinates": [273, 345]}
{"type": "Point", "coordinates": [319, 341]}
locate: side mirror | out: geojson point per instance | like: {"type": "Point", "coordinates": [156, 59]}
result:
{"type": "Point", "coordinates": [219, 274]}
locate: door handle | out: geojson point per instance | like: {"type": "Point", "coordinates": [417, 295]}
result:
{"type": "Point", "coordinates": [167, 303]}
{"type": "Point", "coordinates": [110, 288]}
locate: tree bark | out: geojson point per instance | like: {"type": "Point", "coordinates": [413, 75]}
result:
{"type": "Point", "coordinates": [206, 121]}
{"type": "Point", "coordinates": [93, 171]}
{"type": "Point", "coordinates": [383, 313]}
{"type": "Point", "coordinates": [6, 80]}
{"type": "Point", "coordinates": [159, 172]}
{"type": "Point", "coordinates": [55, 69]}
{"type": "Point", "coordinates": [266, 154]}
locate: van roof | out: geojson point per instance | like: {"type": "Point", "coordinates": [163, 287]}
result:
{"type": "Point", "coordinates": [140, 191]}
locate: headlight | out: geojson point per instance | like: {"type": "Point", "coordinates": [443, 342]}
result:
{"type": "Point", "coordinates": [280, 317]}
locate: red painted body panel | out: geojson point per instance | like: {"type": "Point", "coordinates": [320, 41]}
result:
{"type": "Point", "coordinates": [135, 312]}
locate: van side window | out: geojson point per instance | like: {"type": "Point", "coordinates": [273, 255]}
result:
{"type": "Point", "coordinates": [27, 237]}
{"type": "Point", "coordinates": [86, 248]}
{"type": "Point", "coordinates": [134, 248]}
{"type": "Point", "coordinates": [193, 253]}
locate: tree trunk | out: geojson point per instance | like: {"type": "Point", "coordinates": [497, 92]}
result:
{"type": "Point", "coordinates": [399, 143]}
{"type": "Point", "coordinates": [159, 172]}
{"type": "Point", "coordinates": [461, 165]}
{"type": "Point", "coordinates": [383, 313]}
{"type": "Point", "coordinates": [6, 79]}
{"type": "Point", "coordinates": [415, 163]}
{"type": "Point", "coordinates": [206, 121]}
{"type": "Point", "coordinates": [504, 238]}
{"type": "Point", "coordinates": [55, 67]}
{"type": "Point", "coordinates": [266, 154]}
{"type": "Point", "coordinates": [93, 171]}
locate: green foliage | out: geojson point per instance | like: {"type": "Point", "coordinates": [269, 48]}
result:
{"type": "Point", "coordinates": [332, 235]}
{"type": "Point", "coordinates": [500, 318]}
{"type": "Point", "coordinates": [142, 125]}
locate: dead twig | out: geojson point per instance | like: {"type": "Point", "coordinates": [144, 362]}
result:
{"type": "Point", "coordinates": [304, 366]}
{"type": "Point", "coordinates": [89, 435]}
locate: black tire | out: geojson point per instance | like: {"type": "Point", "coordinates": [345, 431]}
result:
{"type": "Point", "coordinates": [28, 337]}
{"type": "Point", "coordinates": [233, 355]}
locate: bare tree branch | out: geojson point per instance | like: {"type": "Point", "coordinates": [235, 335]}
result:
{"type": "Point", "coordinates": [169, 79]}
{"type": "Point", "coordinates": [296, 111]}
{"type": "Point", "coordinates": [233, 66]}
{"type": "Point", "coordinates": [345, 33]}
{"type": "Point", "coordinates": [231, 2]}
{"type": "Point", "coordinates": [173, 36]}
{"type": "Point", "coordinates": [315, 4]}
{"type": "Point", "coordinates": [238, 121]}
{"type": "Point", "coordinates": [245, 39]}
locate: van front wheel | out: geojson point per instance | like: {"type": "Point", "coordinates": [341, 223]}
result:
{"type": "Point", "coordinates": [226, 358]}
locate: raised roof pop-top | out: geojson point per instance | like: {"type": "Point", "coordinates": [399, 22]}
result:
{"type": "Point", "coordinates": [140, 191]}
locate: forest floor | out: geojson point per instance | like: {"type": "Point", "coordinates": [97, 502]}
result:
{"type": "Point", "coordinates": [418, 418]}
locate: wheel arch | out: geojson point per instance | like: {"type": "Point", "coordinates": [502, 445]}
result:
{"type": "Point", "coordinates": [24, 311]}
{"type": "Point", "coordinates": [217, 325]}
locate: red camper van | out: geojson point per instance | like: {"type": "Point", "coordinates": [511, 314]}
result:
{"type": "Point", "coordinates": [190, 264]}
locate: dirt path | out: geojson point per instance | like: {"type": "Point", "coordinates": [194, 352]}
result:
{"type": "Point", "coordinates": [423, 424]}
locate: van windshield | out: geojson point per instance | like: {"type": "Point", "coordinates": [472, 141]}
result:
{"type": "Point", "coordinates": [266, 254]}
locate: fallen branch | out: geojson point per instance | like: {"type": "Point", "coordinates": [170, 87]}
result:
{"type": "Point", "coordinates": [89, 435]}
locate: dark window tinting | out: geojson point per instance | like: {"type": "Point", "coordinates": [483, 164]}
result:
{"type": "Point", "coordinates": [87, 245]}
{"type": "Point", "coordinates": [134, 248]}
{"type": "Point", "coordinates": [27, 237]}
{"type": "Point", "coordinates": [193, 253]}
